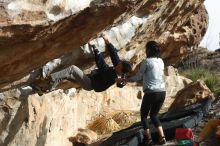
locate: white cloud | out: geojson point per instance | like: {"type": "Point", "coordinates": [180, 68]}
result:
{"type": "Point", "coordinates": [212, 36]}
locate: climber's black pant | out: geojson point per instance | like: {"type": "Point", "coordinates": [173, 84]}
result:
{"type": "Point", "coordinates": [152, 102]}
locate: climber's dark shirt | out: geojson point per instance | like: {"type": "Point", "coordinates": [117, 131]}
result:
{"type": "Point", "coordinates": [104, 77]}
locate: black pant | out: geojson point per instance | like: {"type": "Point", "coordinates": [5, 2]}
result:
{"type": "Point", "coordinates": [152, 101]}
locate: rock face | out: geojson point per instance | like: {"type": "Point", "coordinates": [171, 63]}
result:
{"type": "Point", "coordinates": [34, 32]}
{"type": "Point", "coordinates": [172, 25]}
{"type": "Point", "coordinates": [64, 28]}
{"type": "Point", "coordinates": [85, 136]}
{"type": "Point", "coordinates": [192, 93]}
{"type": "Point", "coordinates": [55, 117]}
{"type": "Point", "coordinates": [201, 58]}
{"type": "Point", "coordinates": [174, 82]}
{"type": "Point", "coordinates": [185, 37]}
{"type": "Point", "coordinates": [51, 40]}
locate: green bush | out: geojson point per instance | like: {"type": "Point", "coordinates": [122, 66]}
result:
{"type": "Point", "coordinates": [211, 80]}
{"type": "Point", "coordinates": [212, 83]}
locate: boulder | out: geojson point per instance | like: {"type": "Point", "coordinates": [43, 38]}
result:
{"type": "Point", "coordinates": [57, 23]}
{"type": "Point", "coordinates": [192, 93]}
{"type": "Point", "coordinates": [33, 33]}
{"type": "Point", "coordinates": [174, 81]}
{"type": "Point", "coordinates": [84, 136]}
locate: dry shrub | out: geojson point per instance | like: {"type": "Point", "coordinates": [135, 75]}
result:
{"type": "Point", "coordinates": [125, 118]}
{"type": "Point", "coordinates": [104, 125]}
{"type": "Point", "coordinates": [113, 122]}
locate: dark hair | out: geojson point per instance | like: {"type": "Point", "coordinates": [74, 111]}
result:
{"type": "Point", "coordinates": [126, 66]}
{"type": "Point", "coordinates": [152, 49]}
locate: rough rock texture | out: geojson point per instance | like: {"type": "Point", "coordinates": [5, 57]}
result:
{"type": "Point", "coordinates": [201, 58]}
{"type": "Point", "coordinates": [85, 136]}
{"type": "Point", "coordinates": [192, 93]}
{"type": "Point", "coordinates": [172, 25]}
{"type": "Point", "coordinates": [168, 22]}
{"type": "Point", "coordinates": [54, 117]}
{"type": "Point", "coordinates": [40, 43]}
{"type": "Point", "coordinates": [37, 121]}
{"type": "Point", "coordinates": [174, 82]}
{"type": "Point", "coordinates": [34, 32]}
{"type": "Point", "coordinates": [186, 37]}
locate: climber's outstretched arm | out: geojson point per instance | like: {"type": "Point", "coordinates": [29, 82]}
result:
{"type": "Point", "coordinates": [112, 50]}
{"type": "Point", "coordinates": [99, 59]}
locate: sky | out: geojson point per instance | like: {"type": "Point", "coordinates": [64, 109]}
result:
{"type": "Point", "coordinates": [212, 37]}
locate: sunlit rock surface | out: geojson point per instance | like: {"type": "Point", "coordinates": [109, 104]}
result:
{"type": "Point", "coordinates": [52, 118]}
{"type": "Point", "coordinates": [34, 33]}
{"type": "Point", "coordinates": [174, 81]}
{"type": "Point", "coordinates": [55, 117]}
{"type": "Point", "coordinates": [194, 92]}
{"type": "Point", "coordinates": [39, 44]}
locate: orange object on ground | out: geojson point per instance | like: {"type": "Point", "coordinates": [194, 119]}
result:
{"type": "Point", "coordinates": [209, 129]}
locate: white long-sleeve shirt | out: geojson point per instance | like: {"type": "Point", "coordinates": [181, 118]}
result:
{"type": "Point", "coordinates": [152, 72]}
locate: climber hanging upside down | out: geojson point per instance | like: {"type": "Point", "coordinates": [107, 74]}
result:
{"type": "Point", "coordinates": [99, 79]}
